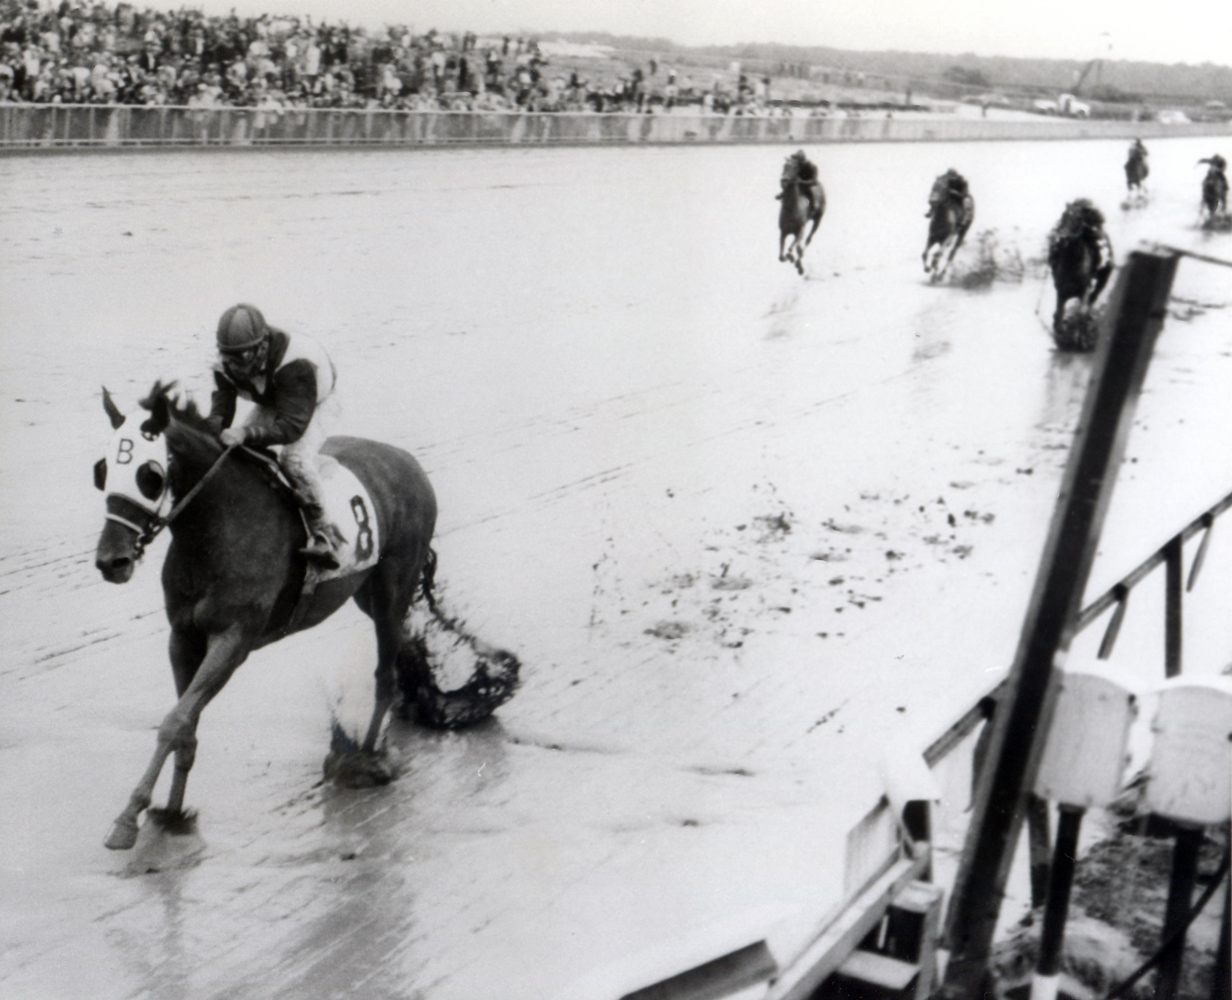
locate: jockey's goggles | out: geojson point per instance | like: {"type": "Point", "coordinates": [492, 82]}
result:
{"type": "Point", "coordinates": [244, 357]}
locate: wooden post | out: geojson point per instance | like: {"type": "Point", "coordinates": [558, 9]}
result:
{"type": "Point", "coordinates": [1221, 982]}
{"type": "Point", "coordinates": [1021, 720]}
{"type": "Point", "coordinates": [1174, 574]}
{"type": "Point", "coordinates": [1176, 913]}
{"type": "Point", "coordinates": [1061, 879]}
{"type": "Point", "coordinates": [1039, 849]}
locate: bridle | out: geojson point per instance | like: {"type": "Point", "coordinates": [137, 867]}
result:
{"type": "Point", "coordinates": [158, 522]}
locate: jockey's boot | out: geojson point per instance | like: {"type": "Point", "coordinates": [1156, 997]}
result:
{"type": "Point", "coordinates": [324, 539]}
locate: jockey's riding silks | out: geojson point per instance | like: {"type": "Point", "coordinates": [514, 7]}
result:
{"type": "Point", "coordinates": [297, 376]}
{"type": "Point", "coordinates": [287, 378]}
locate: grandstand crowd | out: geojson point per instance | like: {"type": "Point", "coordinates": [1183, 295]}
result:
{"type": "Point", "coordinates": [92, 52]}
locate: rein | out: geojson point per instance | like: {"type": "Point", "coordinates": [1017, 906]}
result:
{"type": "Point", "coordinates": [149, 534]}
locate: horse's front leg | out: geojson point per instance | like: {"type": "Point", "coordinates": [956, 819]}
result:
{"type": "Point", "coordinates": [187, 650]}
{"type": "Point", "coordinates": [813, 231]}
{"type": "Point", "coordinates": [782, 246]}
{"type": "Point", "coordinates": [1101, 279]}
{"type": "Point", "coordinates": [178, 733]}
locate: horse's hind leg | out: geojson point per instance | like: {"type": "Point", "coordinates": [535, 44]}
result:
{"type": "Point", "coordinates": [388, 600]}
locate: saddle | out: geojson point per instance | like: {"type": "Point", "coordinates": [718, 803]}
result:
{"type": "Point", "coordinates": [346, 503]}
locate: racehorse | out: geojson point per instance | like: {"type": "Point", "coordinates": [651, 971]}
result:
{"type": "Point", "coordinates": [1079, 269]}
{"type": "Point", "coordinates": [950, 218]}
{"type": "Point", "coordinates": [1215, 189]}
{"type": "Point", "coordinates": [1136, 170]}
{"type": "Point", "coordinates": [233, 575]}
{"type": "Point", "coordinates": [796, 212]}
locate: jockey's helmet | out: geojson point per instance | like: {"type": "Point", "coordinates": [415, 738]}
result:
{"type": "Point", "coordinates": [243, 339]}
{"type": "Point", "coordinates": [240, 328]}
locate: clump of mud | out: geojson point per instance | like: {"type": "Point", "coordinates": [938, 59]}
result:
{"type": "Point", "coordinates": [452, 677]}
{"type": "Point", "coordinates": [990, 262]}
{"type": "Point", "coordinates": [1079, 329]}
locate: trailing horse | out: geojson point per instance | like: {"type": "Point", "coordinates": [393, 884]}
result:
{"type": "Point", "coordinates": [1080, 257]}
{"type": "Point", "coordinates": [234, 579]}
{"type": "Point", "coordinates": [1136, 169]}
{"type": "Point", "coordinates": [798, 209]}
{"type": "Point", "coordinates": [1215, 189]}
{"type": "Point", "coordinates": [950, 216]}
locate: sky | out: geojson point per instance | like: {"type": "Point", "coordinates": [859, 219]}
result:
{"type": "Point", "coordinates": [1190, 31]}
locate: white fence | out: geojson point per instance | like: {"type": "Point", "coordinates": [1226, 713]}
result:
{"type": "Point", "coordinates": [43, 126]}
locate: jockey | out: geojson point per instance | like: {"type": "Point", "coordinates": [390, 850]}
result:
{"type": "Point", "coordinates": [955, 188]}
{"type": "Point", "coordinates": [806, 174]}
{"type": "Point", "coordinates": [1217, 167]}
{"type": "Point", "coordinates": [1217, 162]}
{"type": "Point", "coordinates": [1082, 220]}
{"type": "Point", "coordinates": [288, 378]}
{"type": "Point", "coordinates": [1137, 151]}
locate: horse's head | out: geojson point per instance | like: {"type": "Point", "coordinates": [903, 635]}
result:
{"type": "Point", "coordinates": [941, 189]}
{"type": "Point", "coordinates": [133, 474]}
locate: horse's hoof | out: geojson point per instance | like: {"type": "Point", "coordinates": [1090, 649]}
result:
{"type": "Point", "coordinates": [176, 822]}
{"type": "Point", "coordinates": [123, 835]}
{"type": "Point", "coordinates": [358, 769]}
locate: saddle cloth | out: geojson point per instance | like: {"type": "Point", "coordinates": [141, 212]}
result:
{"type": "Point", "coordinates": [348, 505]}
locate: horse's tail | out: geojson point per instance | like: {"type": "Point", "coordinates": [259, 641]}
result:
{"type": "Point", "coordinates": [427, 580]}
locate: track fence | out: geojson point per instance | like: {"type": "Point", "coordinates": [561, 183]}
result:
{"type": "Point", "coordinates": [71, 126]}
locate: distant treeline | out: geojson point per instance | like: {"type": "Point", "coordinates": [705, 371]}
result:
{"type": "Point", "coordinates": [1107, 79]}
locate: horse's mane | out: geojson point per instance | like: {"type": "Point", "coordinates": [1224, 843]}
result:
{"type": "Point", "coordinates": [191, 435]}
{"type": "Point", "coordinates": [165, 405]}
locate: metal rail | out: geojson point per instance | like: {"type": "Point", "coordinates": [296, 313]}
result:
{"type": "Point", "coordinates": [1169, 554]}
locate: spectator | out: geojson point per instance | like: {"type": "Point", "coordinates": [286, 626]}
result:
{"type": "Point", "coordinates": [93, 52]}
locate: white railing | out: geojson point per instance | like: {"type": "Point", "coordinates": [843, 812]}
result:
{"type": "Point", "coordinates": [26, 126]}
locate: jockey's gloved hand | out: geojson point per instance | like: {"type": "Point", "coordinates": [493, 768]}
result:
{"type": "Point", "coordinates": [232, 436]}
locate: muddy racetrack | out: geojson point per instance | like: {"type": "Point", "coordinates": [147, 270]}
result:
{"type": "Point", "coordinates": [742, 528]}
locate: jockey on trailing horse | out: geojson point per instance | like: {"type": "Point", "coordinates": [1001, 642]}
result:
{"type": "Point", "coordinates": [806, 177]}
{"type": "Point", "coordinates": [1081, 220]}
{"type": "Point", "coordinates": [1215, 184]}
{"type": "Point", "coordinates": [954, 189]}
{"type": "Point", "coordinates": [1136, 169]}
{"type": "Point", "coordinates": [288, 378]}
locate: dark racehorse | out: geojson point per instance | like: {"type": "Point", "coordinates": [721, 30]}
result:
{"type": "Point", "coordinates": [1215, 189]}
{"type": "Point", "coordinates": [1136, 170]}
{"type": "Point", "coordinates": [797, 211]}
{"type": "Point", "coordinates": [951, 216]}
{"type": "Point", "coordinates": [1080, 257]}
{"type": "Point", "coordinates": [233, 573]}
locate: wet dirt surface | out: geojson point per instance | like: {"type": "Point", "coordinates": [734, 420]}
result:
{"type": "Point", "coordinates": [742, 529]}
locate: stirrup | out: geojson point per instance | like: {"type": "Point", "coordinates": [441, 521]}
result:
{"type": "Point", "coordinates": [321, 550]}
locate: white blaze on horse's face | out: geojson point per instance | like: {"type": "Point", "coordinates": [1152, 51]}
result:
{"type": "Point", "coordinates": [135, 469]}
